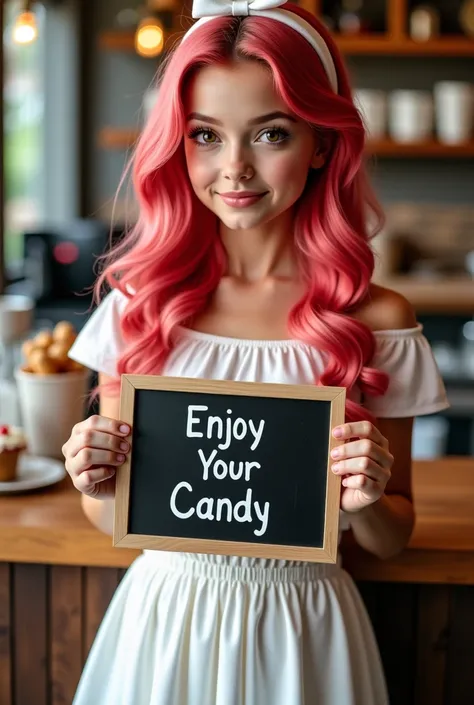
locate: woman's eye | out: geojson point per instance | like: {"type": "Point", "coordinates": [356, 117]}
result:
{"type": "Point", "coordinates": [201, 136]}
{"type": "Point", "coordinates": [274, 136]}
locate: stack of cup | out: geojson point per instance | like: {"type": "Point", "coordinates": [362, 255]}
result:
{"type": "Point", "coordinates": [454, 101]}
{"type": "Point", "coordinates": [411, 116]}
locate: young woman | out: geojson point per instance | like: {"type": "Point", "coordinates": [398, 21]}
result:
{"type": "Point", "coordinates": [251, 261]}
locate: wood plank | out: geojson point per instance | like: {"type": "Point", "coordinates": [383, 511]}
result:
{"type": "Point", "coordinates": [117, 137]}
{"type": "Point", "coordinates": [49, 527]}
{"type": "Point", "coordinates": [126, 137]}
{"type": "Point", "coordinates": [369, 44]}
{"type": "Point", "coordinates": [100, 586]}
{"type": "Point", "coordinates": [426, 149]}
{"type": "Point", "coordinates": [446, 295]}
{"type": "Point", "coordinates": [30, 644]}
{"type": "Point", "coordinates": [397, 18]}
{"type": "Point", "coordinates": [432, 644]}
{"type": "Point", "coordinates": [370, 595]}
{"type": "Point", "coordinates": [382, 45]}
{"type": "Point", "coordinates": [313, 6]}
{"type": "Point", "coordinates": [460, 662]}
{"type": "Point", "coordinates": [117, 41]}
{"type": "Point", "coordinates": [394, 628]}
{"type": "Point", "coordinates": [6, 636]}
{"type": "Point", "coordinates": [412, 566]}
{"type": "Point", "coordinates": [65, 606]}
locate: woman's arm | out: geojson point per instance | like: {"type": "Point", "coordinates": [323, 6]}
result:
{"type": "Point", "coordinates": [384, 527]}
{"type": "Point", "coordinates": [100, 512]}
{"type": "Point", "coordinates": [385, 524]}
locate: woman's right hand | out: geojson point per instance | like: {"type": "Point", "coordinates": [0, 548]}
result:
{"type": "Point", "coordinates": [96, 447]}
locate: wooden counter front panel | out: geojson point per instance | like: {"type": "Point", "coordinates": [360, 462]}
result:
{"type": "Point", "coordinates": [49, 616]}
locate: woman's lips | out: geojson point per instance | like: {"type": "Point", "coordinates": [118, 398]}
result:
{"type": "Point", "coordinates": [241, 200]}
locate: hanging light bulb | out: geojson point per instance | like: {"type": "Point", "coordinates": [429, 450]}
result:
{"type": "Point", "coordinates": [149, 37]}
{"type": "Point", "coordinates": [25, 29]}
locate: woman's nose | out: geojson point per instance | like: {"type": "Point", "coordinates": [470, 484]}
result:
{"type": "Point", "coordinates": [238, 167]}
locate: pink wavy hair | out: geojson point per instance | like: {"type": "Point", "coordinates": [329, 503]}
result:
{"type": "Point", "coordinates": [173, 258]}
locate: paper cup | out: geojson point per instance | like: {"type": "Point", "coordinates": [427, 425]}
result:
{"type": "Point", "coordinates": [50, 406]}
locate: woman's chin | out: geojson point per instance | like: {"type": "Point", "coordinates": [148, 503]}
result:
{"type": "Point", "coordinates": [244, 221]}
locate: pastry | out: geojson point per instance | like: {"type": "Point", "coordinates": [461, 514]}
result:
{"type": "Point", "coordinates": [47, 352]}
{"type": "Point", "coordinates": [12, 443]}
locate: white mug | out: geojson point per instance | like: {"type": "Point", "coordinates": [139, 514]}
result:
{"type": "Point", "coordinates": [411, 115]}
{"type": "Point", "coordinates": [372, 106]}
{"type": "Point", "coordinates": [454, 101]}
{"type": "Point", "coordinates": [50, 406]}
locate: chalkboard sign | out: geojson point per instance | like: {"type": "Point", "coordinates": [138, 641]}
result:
{"type": "Point", "coordinates": [232, 468]}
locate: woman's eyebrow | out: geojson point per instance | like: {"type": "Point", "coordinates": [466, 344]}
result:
{"type": "Point", "coordinates": [277, 114]}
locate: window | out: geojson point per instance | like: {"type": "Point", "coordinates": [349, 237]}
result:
{"type": "Point", "coordinates": [24, 129]}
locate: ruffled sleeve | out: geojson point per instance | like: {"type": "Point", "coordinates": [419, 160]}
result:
{"type": "Point", "coordinates": [416, 387]}
{"type": "Point", "coordinates": [100, 344]}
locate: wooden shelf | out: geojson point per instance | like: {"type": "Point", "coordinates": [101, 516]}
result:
{"type": "Point", "coordinates": [431, 149]}
{"type": "Point", "coordinates": [117, 41]}
{"type": "Point", "coordinates": [372, 44]}
{"type": "Point", "coordinates": [383, 45]}
{"type": "Point", "coordinates": [438, 296]}
{"type": "Point", "coordinates": [124, 138]}
{"type": "Point", "coordinates": [117, 137]}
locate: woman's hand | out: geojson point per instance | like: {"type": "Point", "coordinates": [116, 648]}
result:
{"type": "Point", "coordinates": [364, 464]}
{"type": "Point", "coordinates": [94, 450]}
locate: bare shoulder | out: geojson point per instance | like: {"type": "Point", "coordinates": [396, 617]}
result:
{"type": "Point", "coordinates": [385, 309]}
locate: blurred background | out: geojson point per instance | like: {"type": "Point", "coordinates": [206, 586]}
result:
{"type": "Point", "coordinates": [77, 86]}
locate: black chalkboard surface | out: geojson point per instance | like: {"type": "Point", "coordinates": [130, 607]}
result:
{"type": "Point", "coordinates": [230, 468]}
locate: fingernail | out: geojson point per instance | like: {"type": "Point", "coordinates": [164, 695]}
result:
{"type": "Point", "coordinates": [124, 429]}
{"type": "Point", "coordinates": [337, 433]}
{"type": "Point", "coordinates": [124, 446]}
{"type": "Point", "coordinates": [336, 467]}
{"type": "Point", "coordinates": [335, 453]}
{"type": "Point", "coordinates": [120, 458]}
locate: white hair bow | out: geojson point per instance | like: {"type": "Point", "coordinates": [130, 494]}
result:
{"type": "Point", "coordinates": [206, 10]}
{"type": "Point", "coordinates": [236, 8]}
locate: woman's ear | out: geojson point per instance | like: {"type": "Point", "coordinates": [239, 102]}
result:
{"type": "Point", "coordinates": [318, 160]}
{"type": "Point", "coordinates": [320, 151]}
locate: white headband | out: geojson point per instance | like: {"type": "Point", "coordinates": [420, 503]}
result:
{"type": "Point", "coordinates": [207, 10]}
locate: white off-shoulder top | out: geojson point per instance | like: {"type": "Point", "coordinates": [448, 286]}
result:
{"type": "Point", "coordinates": [415, 388]}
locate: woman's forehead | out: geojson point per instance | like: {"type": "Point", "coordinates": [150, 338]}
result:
{"type": "Point", "coordinates": [244, 86]}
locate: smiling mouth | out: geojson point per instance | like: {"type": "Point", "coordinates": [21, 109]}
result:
{"type": "Point", "coordinates": [241, 200]}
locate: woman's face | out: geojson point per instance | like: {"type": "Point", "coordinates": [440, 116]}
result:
{"type": "Point", "coordinates": [247, 155]}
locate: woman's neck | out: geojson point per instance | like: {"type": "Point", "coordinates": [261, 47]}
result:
{"type": "Point", "coordinates": [259, 253]}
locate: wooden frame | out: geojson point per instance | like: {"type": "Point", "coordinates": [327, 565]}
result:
{"type": "Point", "coordinates": [327, 553]}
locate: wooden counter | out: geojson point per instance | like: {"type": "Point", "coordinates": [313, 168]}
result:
{"type": "Point", "coordinates": [49, 528]}
{"type": "Point", "coordinates": [58, 575]}
{"type": "Point", "coordinates": [441, 549]}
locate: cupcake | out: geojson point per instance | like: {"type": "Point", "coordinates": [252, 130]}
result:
{"type": "Point", "coordinates": [12, 443]}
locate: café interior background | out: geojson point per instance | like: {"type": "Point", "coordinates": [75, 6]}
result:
{"type": "Point", "coordinates": [74, 100]}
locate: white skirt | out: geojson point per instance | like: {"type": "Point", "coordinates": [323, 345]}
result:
{"type": "Point", "coordinates": [187, 629]}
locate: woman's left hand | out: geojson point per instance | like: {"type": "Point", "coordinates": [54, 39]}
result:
{"type": "Point", "coordinates": [364, 464]}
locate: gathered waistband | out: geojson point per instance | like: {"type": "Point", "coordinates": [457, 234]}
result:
{"type": "Point", "coordinates": [233, 568]}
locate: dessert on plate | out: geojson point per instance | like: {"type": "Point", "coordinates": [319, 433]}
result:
{"type": "Point", "coordinates": [47, 352]}
{"type": "Point", "coordinates": [12, 443]}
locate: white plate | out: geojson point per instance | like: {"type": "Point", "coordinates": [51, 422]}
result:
{"type": "Point", "coordinates": [34, 472]}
